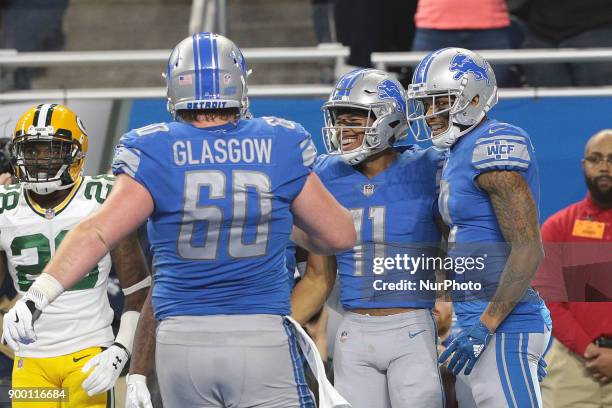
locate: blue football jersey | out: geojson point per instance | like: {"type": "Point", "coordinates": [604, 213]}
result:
{"type": "Point", "coordinates": [222, 219]}
{"type": "Point", "coordinates": [474, 229]}
{"type": "Point", "coordinates": [290, 263]}
{"type": "Point", "coordinates": [394, 216]}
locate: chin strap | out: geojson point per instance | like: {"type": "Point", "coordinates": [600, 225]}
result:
{"type": "Point", "coordinates": [448, 138]}
{"type": "Point", "coordinates": [47, 187]}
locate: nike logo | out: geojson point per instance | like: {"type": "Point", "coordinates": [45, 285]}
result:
{"type": "Point", "coordinates": [491, 131]}
{"type": "Point", "coordinates": [414, 334]}
{"type": "Point", "coordinates": [76, 360]}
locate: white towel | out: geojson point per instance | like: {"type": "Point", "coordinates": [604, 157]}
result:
{"type": "Point", "coordinates": [328, 396]}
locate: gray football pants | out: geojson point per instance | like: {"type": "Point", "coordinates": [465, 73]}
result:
{"type": "Point", "coordinates": [506, 374]}
{"type": "Point", "coordinates": [388, 361]}
{"type": "Point", "coordinates": [230, 361]}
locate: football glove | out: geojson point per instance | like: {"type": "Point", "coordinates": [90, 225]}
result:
{"type": "Point", "coordinates": [137, 395]}
{"type": "Point", "coordinates": [542, 369]}
{"type": "Point", "coordinates": [17, 326]}
{"type": "Point", "coordinates": [466, 348]}
{"type": "Point", "coordinates": [107, 367]}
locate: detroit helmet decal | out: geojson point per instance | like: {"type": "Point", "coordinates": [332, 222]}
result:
{"type": "Point", "coordinates": [462, 64]}
{"type": "Point", "coordinates": [387, 89]}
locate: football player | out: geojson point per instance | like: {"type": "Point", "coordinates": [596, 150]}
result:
{"type": "Point", "coordinates": [385, 347]}
{"type": "Point", "coordinates": [221, 191]}
{"type": "Point", "coordinates": [489, 198]}
{"type": "Point", "coordinates": [75, 348]}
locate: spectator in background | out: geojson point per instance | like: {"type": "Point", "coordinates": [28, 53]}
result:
{"type": "Point", "coordinates": [323, 20]}
{"type": "Point", "coordinates": [471, 24]}
{"type": "Point", "coordinates": [34, 25]}
{"type": "Point", "coordinates": [569, 24]}
{"type": "Point", "coordinates": [325, 33]}
{"type": "Point", "coordinates": [369, 26]}
{"type": "Point", "coordinates": [574, 279]}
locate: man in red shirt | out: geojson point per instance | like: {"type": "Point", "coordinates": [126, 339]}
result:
{"type": "Point", "coordinates": [576, 281]}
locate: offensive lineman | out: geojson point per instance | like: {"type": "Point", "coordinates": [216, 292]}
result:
{"type": "Point", "coordinates": [48, 149]}
{"type": "Point", "coordinates": [385, 348]}
{"type": "Point", "coordinates": [489, 196]}
{"type": "Point", "coordinates": [221, 192]}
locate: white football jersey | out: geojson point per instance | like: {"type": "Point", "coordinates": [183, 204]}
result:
{"type": "Point", "coordinates": [29, 235]}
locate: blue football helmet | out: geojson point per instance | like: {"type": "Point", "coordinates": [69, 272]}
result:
{"type": "Point", "coordinates": [381, 97]}
{"type": "Point", "coordinates": [206, 71]}
{"type": "Point", "coordinates": [459, 75]}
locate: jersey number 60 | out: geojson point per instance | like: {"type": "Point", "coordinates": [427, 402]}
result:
{"type": "Point", "coordinates": [193, 212]}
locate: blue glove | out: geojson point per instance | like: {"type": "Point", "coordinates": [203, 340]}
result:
{"type": "Point", "coordinates": [467, 347]}
{"type": "Point", "coordinates": [542, 369]}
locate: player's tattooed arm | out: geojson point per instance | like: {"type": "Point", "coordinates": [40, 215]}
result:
{"type": "Point", "coordinates": [312, 290]}
{"type": "Point", "coordinates": [143, 355]}
{"type": "Point", "coordinates": [131, 267]}
{"type": "Point", "coordinates": [517, 217]}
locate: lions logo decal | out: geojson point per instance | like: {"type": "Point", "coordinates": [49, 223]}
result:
{"type": "Point", "coordinates": [389, 90]}
{"type": "Point", "coordinates": [461, 65]}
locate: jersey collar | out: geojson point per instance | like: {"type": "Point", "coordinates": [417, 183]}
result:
{"type": "Point", "coordinates": [44, 212]}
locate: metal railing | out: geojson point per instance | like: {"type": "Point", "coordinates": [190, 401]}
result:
{"type": "Point", "coordinates": [333, 52]}
{"type": "Point", "coordinates": [328, 52]}
{"type": "Point", "coordinates": [383, 60]}
{"type": "Point", "coordinates": [295, 91]}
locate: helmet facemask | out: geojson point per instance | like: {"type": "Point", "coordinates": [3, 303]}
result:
{"type": "Point", "coordinates": [44, 163]}
{"type": "Point", "coordinates": [460, 113]}
{"type": "Point", "coordinates": [338, 137]}
{"type": "Point", "coordinates": [460, 75]}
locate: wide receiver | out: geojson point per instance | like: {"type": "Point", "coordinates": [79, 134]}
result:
{"type": "Point", "coordinates": [74, 347]}
{"type": "Point", "coordinates": [489, 193]}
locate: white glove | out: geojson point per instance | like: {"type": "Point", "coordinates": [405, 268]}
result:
{"type": "Point", "coordinates": [17, 325]}
{"type": "Point", "coordinates": [108, 366]}
{"type": "Point", "coordinates": [137, 395]}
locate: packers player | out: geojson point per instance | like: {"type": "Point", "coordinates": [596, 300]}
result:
{"type": "Point", "coordinates": [74, 347]}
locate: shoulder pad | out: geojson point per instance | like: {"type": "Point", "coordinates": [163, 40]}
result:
{"type": "Point", "coordinates": [9, 196]}
{"type": "Point", "coordinates": [98, 187]}
{"type": "Point", "coordinates": [135, 136]}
